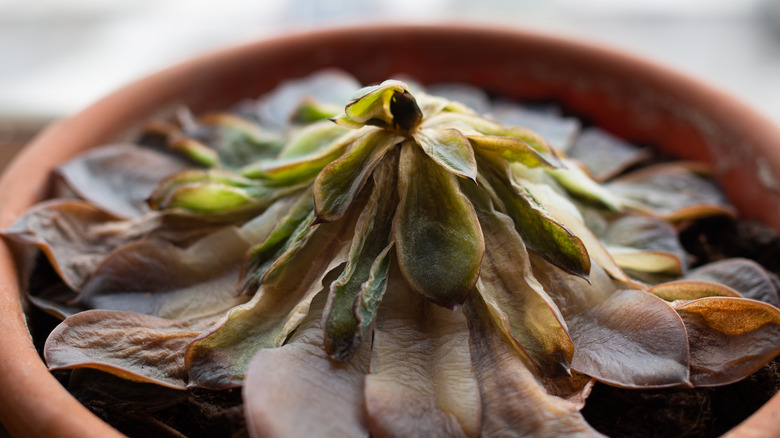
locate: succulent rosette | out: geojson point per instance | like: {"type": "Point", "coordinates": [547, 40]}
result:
{"type": "Point", "coordinates": [401, 266]}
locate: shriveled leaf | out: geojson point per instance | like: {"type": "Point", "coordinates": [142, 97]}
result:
{"type": "Point", "coordinates": [290, 229]}
{"type": "Point", "coordinates": [560, 132]}
{"type": "Point", "coordinates": [624, 337]}
{"type": "Point", "coordinates": [691, 290]}
{"type": "Point", "coordinates": [565, 212]}
{"type": "Point", "coordinates": [239, 141]}
{"type": "Point", "coordinates": [421, 382]}
{"type": "Point", "coordinates": [389, 104]}
{"type": "Point", "coordinates": [282, 382]}
{"type": "Point", "coordinates": [338, 185]}
{"type": "Point", "coordinates": [577, 182]}
{"type": "Point", "coordinates": [539, 230]}
{"type": "Point", "coordinates": [310, 111]}
{"type": "Point", "coordinates": [745, 276]}
{"type": "Point", "coordinates": [672, 192]}
{"type": "Point", "coordinates": [645, 343]}
{"type": "Point", "coordinates": [730, 338]}
{"type": "Point", "coordinates": [512, 149]}
{"type": "Point", "coordinates": [304, 159]}
{"type": "Point", "coordinates": [470, 96]}
{"type": "Point", "coordinates": [471, 124]}
{"type": "Point", "coordinates": [514, 298]}
{"type": "Point", "coordinates": [75, 236]}
{"type": "Point", "coordinates": [219, 358]}
{"type": "Point", "coordinates": [514, 403]}
{"type": "Point", "coordinates": [329, 86]}
{"type": "Point", "coordinates": [119, 178]}
{"type": "Point", "coordinates": [604, 155]}
{"type": "Point", "coordinates": [311, 139]}
{"type": "Point", "coordinates": [437, 234]}
{"type": "Point", "coordinates": [157, 278]}
{"type": "Point", "coordinates": [450, 149]}
{"type": "Point", "coordinates": [645, 244]}
{"type": "Point", "coordinates": [355, 296]}
{"type": "Point", "coordinates": [136, 347]}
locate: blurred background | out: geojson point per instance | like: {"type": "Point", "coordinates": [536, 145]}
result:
{"type": "Point", "coordinates": [58, 56]}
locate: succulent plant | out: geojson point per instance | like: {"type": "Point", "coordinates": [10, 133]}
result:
{"type": "Point", "coordinates": [401, 266]}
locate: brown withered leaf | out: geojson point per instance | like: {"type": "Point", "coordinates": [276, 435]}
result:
{"type": "Point", "coordinates": [730, 338]}
{"type": "Point", "coordinates": [133, 346]}
{"type": "Point", "coordinates": [282, 382]}
{"type": "Point", "coordinates": [514, 403]}
{"type": "Point", "coordinates": [420, 382]}
{"type": "Point", "coordinates": [745, 276]}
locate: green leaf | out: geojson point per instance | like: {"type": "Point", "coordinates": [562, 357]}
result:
{"type": "Point", "coordinates": [310, 110]}
{"type": "Point", "coordinates": [450, 149]}
{"type": "Point", "coordinates": [304, 157]}
{"type": "Point", "coordinates": [375, 105]}
{"type": "Point", "coordinates": [730, 338]}
{"type": "Point", "coordinates": [337, 186]}
{"type": "Point", "coordinates": [219, 358]}
{"type": "Point", "coordinates": [539, 230]}
{"type": "Point", "coordinates": [420, 363]}
{"type": "Point", "coordinates": [578, 183]}
{"type": "Point", "coordinates": [515, 299]}
{"type": "Point", "coordinates": [437, 234]}
{"type": "Point", "coordinates": [291, 229]}
{"type": "Point", "coordinates": [356, 294]}
{"type": "Point", "coordinates": [512, 149]}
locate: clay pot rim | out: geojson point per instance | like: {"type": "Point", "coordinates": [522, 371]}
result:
{"type": "Point", "coordinates": [47, 409]}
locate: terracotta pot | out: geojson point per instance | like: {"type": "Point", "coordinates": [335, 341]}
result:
{"type": "Point", "coordinates": [636, 100]}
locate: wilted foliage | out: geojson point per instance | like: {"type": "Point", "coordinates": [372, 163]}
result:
{"type": "Point", "coordinates": [401, 266]}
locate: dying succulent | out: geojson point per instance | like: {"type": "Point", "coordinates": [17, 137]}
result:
{"type": "Point", "coordinates": [406, 267]}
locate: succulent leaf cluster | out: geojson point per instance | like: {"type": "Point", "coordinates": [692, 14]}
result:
{"type": "Point", "coordinates": [401, 266]}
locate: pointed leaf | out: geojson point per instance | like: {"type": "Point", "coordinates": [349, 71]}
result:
{"type": "Point", "coordinates": [577, 182]}
{"type": "Point", "coordinates": [355, 295]}
{"type": "Point", "coordinates": [437, 234]}
{"type": "Point", "coordinates": [304, 158]}
{"type": "Point", "coordinates": [539, 230]}
{"type": "Point", "coordinates": [514, 298]}
{"type": "Point", "coordinates": [337, 186]}
{"type": "Point", "coordinates": [287, 232]}
{"type": "Point", "coordinates": [512, 149]}
{"type": "Point", "coordinates": [514, 403]}
{"type": "Point", "coordinates": [730, 338]}
{"type": "Point", "coordinates": [219, 358]}
{"type": "Point", "coordinates": [421, 382]}
{"type": "Point", "coordinates": [450, 149]}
